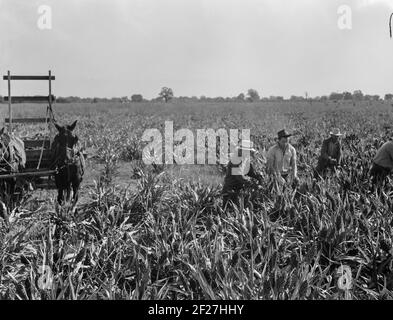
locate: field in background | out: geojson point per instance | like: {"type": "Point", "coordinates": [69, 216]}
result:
{"type": "Point", "coordinates": [160, 232]}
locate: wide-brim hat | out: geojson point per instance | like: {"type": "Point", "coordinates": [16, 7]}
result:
{"type": "Point", "coordinates": [246, 145]}
{"type": "Point", "coordinates": [283, 134]}
{"type": "Point", "coordinates": [335, 132]}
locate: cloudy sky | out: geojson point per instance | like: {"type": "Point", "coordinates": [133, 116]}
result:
{"type": "Point", "coordinates": [198, 47]}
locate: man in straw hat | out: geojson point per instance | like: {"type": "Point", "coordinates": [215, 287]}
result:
{"type": "Point", "coordinates": [382, 163]}
{"type": "Point", "coordinates": [281, 159]}
{"type": "Point", "coordinates": [330, 153]}
{"type": "Point", "coordinates": [240, 172]}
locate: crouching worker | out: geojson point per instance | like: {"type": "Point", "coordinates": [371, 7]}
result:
{"type": "Point", "coordinates": [240, 173]}
{"type": "Point", "coordinates": [281, 161]}
{"type": "Point", "coordinates": [382, 164]}
{"type": "Point", "coordinates": [330, 157]}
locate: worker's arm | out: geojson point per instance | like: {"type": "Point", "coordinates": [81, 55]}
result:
{"type": "Point", "coordinates": [271, 163]}
{"type": "Point", "coordinates": [390, 152]}
{"type": "Point", "coordinates": [324, 151]}
{"type": "Point", "coordinates": [339, 154]}
{"type": "Point", "coordinates": [294, 163]}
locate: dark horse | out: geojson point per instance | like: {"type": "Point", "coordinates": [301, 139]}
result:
{"type": "Point", "coordinates": [68, 163]}
{"type": "Point", "coordinates": [12, 160]}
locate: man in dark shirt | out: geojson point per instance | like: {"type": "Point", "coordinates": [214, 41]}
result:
{"type": "Point", "coordinates": [382, 164]}
{"type": "Point", "coordinates": [239, 175]}
{"type": "Point", "coordinates": [330, 153]}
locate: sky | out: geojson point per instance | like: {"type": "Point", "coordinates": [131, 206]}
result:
{"type": "Point", "coordinates": [112, 48]}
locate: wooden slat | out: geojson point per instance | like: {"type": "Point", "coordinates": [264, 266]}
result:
{"type": "Point", "coordinates": [26, 120]}
{"type": "Point", "coordinates": [20, 99]}
{"type": "Point", "coordinates": [35, 154]}
{"type": "Point", "coordinates": [29, 78]}
{"type": "Point", "coordinates": [29, 144]}
{"type": "Point", "coordinates": [29, 170]}
{"type": "Point", "coordinates": [32, 165]}
{"type": "Point", "coordinates": [39, 173]}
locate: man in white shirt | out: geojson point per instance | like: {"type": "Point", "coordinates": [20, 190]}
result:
{"type": "Point", "coordinates": [281, 160]}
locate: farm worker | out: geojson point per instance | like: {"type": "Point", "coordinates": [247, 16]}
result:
{"type": "Point", "coordinates": [330, 153]}
{"type": "Point", "coordinates": [240, 172]}
{"type": "Point", "coordinates": [382, 163]}
{"type": "Point", "coordinates": [281, 160]}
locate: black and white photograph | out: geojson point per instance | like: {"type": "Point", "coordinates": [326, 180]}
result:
{"type": "Point", "coordinates": [212, 152]}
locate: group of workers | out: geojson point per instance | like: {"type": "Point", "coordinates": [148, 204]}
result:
{"type": "Point", "coordinates": [281, 164]}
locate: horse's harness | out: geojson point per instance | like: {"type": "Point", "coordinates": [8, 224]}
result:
{"type": "Point", "coordinates": [67, 162]}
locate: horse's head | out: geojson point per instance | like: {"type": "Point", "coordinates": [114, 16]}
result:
{"type": "Point", "coordinates": [64, 142]}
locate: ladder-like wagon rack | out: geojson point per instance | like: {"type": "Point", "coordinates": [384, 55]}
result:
{"type": "Point", "coordinates": [38, 151]}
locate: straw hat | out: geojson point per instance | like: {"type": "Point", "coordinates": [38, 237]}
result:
{"type": "Point", "coordinates": [283, 134]}
{"type": "Point", "coordinates": [335, 132]}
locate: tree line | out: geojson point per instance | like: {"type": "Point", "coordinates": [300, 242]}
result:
{"type": "Point", "coordinates": [166, 94]}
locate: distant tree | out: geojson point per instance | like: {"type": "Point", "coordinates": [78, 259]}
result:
{"type": "Point", "coordinates": [115, 100]}
{"type": "Point", "coordinates": [323, 98]}
{"type": "Point", "coordinates": [368, 97]}
{"type": "Point", "coordinates": [388, 96]}
{"type": "Point", "coordinates": [166, 94]}
{"type": "Point", "coordinates": [358, 95]}
{"type": "Point", "coordinates": [124, 99]}
{"type": "Point", "coordinates": [219, 99]}
{"type": "Point", "coordinates": [376, 97]}
{"type": "Point", "coordinates": [253, 95]}
{"type": "Point", "coordinates": [336, 96]}
{"type": "Point", "coordinates": [75, 99]}
{"type": "Point", "coordinates": [347, 95]}
{"type": "Point", "coordinates": [202, 98]}
{"type": "Point", "coordinates": [61, 100]}
{"type": "Point", "coordinates": [185, 99]}
{"type": "Point", "coordinates": [241, 97]}
{"type": "Point", "coordinates": [136, 98]}
{"type": "Point", "coordinates": [296, 98]}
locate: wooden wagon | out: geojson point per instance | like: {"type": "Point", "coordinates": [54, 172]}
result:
{"type": "Point", "coordinates": [37, 172]}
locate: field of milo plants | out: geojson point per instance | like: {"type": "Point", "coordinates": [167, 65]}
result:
{"type": "Point", "coordinates": [160, 232]}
